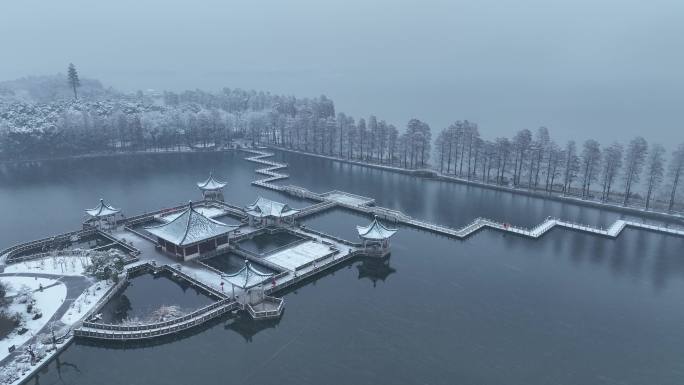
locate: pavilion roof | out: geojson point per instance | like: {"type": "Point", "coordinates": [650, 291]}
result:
{"type": "Point", "coordinates": [375, 231]}
{"type": "Point", "coordinates": [102, 210]}
{"type": "Point", "coordinates": [267, 208]}
{"type": "Point", "coordinates": [247, 277]}
{"type": "Point", "coordinates": [190, 227]}
{"type": "Point", "coordinates": [211, 184]}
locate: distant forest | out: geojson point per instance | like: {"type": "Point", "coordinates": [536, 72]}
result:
{"type": "Point", "coordinates": [41, 118]}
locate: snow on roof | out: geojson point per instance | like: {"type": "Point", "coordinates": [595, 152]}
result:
{"type": "Point", "coordinates": [190, 227]}
{"type": "Point", "coordinates": [267, 208]}
{"type": "Point", "coordinates": [102, 210]}
{"type": "Point", "coordinates": [247, 277]}
{"type": "Point", "coordinates": [375, 231]}
{"type": "Point", "coordinates": [211, 183]}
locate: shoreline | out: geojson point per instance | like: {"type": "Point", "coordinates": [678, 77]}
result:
{"type": "Point", "coordinates": [421, 173]}
{"type": "Point", "coordinates": [184, 150]}
{"type": "Point", "coordinates": [436, 175]}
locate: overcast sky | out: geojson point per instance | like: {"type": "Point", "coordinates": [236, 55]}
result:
{"type": "Point", "coordinates": [607, 69]}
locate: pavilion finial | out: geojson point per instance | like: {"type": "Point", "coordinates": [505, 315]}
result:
{"type": "Point", "coordinates": [101, 200]}
{"type": "Point", "coordinates": [190, 203]}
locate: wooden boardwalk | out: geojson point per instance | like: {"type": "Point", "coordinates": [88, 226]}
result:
{"type": "Point", "coordinates": [396, 216]}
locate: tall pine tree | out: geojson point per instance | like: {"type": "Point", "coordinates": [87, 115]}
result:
{"type": "Point", "coordinates": [74, 82]}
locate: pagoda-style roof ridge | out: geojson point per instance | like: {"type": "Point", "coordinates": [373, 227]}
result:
{"type": "Point", "coordinates": [211, 183]}
{"type": "Point", "coordinates": [247, 276]}
{"type": "Point", "coordinates": [375, 230]}
{"type": "Point", "coordinates": [190, 227]}
{"type": "Point", "coordinates": [265, 207]}
{"type": "Point", "coordinates": [102, 210]}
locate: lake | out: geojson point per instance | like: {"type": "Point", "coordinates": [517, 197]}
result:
{"type": "Point", "coordinates": [569, 308]}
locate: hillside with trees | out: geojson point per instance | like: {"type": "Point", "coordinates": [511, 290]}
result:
{"type": "Point", "coordinates": [44, 117]}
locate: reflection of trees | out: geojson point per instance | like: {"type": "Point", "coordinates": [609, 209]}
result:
{"type": "Point", "coordinates": [121, 307]}
{"type": "Point", "coordinates": [245, 326]}
{"type": "Point", "coordinates": [375, 269]}
{"type": "Point", "coordinates": [63, 365]}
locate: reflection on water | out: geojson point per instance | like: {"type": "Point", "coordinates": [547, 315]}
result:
{"type": "Point", "coordinates": [247, 328]}
{"type": "Point", "coordinates": [568, 308]}
{"type": "Point", "coordinates": [375, 269]}
{"type": "Point", "coordinates": [442, 202]}
{"type": "Point", "coordinates": [146, 293]}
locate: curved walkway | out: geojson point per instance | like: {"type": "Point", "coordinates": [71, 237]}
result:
{"type": "Point", "coordinates": [478, 224]}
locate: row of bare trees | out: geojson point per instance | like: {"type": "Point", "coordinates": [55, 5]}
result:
{"type": "Point", "coordinates": [369, 140]}
{"type": "Point", "coordinates": [534, 161]}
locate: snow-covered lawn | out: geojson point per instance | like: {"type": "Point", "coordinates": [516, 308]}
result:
{"type": "Point", "coordinates": [70, 265]}
{"type": "Point", "coordinates": [46, 301]}
{"type": "Point", "coordinates": [15, 283]}
{"type": "Point", "coordinates": [86, 301]}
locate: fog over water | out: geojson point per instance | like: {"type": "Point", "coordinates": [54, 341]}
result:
{"type": "Point", "coordinates": [608, 69]}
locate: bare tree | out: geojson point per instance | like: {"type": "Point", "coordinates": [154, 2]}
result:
{"type": "Point", "coordinates": [542, 142]}
{"type": "Point", "coordinates": [521, 145]}
{"type": "Point", "coordinates": [611, 163]}
{"type": "Point", "coordinates": [591, 157]}
{"type": "Point", "coordinates": [656, 169]}
{"type": "Point", "coordinates": [676, 170]}
{"type": "Point", "coordinates": [634, 163]}
{"type": "Point", "coordinates": [571, 166]}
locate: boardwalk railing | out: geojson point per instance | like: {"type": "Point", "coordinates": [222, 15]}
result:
{"type": "Point", "coordinates": [132, 332]}
{"type": "Point", "coordinates": [316, 208]}
{"type": "Point", "coordinates": [9, 252]}
{"type": "Point", "coordinates": [325, 235]}
{"type": "Point", "coordinates": [275, 308]}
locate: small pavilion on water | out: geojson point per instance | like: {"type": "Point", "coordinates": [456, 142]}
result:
{"type": "Point", "coordinates": [212, 189]}
{"type": "Point", "coordinates": [250, 281]}
{"type": "Point", "coordinates": [375, 238]}
{"type": "Point", "coordinates": [266, 212]}
{"type": "Point", "coordinates": [103, 215]}
{"type": "Point", "coordinates": [191, 234]}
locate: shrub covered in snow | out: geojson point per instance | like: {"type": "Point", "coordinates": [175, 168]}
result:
{"type": "Point", "coordinates": [106, 265]}
{"type": "Point", "coordinates": [166, 313]}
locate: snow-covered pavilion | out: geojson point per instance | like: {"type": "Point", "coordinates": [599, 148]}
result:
{"type": "Point", "coordinates": [103, 214]}
{"type": "Point", "coordinates": [191, 234]}
{"type": "Point", "coordinates": [250, 281]}
{"type": "Point", "coordinates": [375, 237]}
{"type": "Point", "coordinates": [212, 189]}
{"type": "Point", "coordinates": [267, 212]}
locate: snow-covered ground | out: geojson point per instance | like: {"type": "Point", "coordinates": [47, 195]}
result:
{"type": "Point", "coordinates": [46, 301]}
{"type": "Point", "coordinates": [15, 283]}
{"type": "Point", "coordinates": [295, 257]}
{"type": "Point", "coordinates": [86, 301]}
{"type": "Point", "coordinates": [69, 265]}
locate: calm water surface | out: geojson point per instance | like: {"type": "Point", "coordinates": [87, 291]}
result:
{"type": "Point", "coordinates": [438, 201]}
{"type": "Point", "coordinates": [494, 309]}
{"type": "Point", "coordinates": [147, 292]}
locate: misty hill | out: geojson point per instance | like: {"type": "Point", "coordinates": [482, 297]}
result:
{"type": "Point", "coordinates": [39, 117]}
{"type": "Point", "coordinates": [52, 88]}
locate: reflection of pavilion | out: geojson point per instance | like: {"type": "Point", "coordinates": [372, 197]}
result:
{"type": "Point", "coordinates": [266, 212]}
{"type": "Point", "coordinates": [191, 234]}
{"type": "Point", "coordinates": [375, 269]}
{"type": "Point", "coordinates": [375, 238]}
{"type": "Point", "coordinates": [212, 189]}
{"type": "Point", "coordinates": [247, 328]}
{"type": "Point", "coordinates": [103, 215]}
